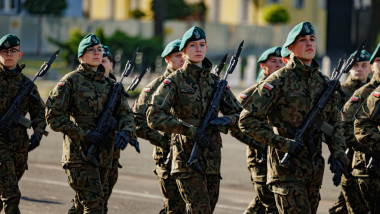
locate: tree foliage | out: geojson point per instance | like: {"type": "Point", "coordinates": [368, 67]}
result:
{"type": "Point", "coordinates": [275, 14]}
{"type": "Point", "coordinates": [44, 7]}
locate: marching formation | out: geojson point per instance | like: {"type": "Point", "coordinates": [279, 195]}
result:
{"type": "Point", "coordinates": [283, 119]}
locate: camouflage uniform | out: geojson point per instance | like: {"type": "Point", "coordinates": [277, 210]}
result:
{"type": "Point", "coordinates": [285, 99]}
{"type": "Point", "coordinates": [14, 155]}
{"type": "Point", "coordinates": [178, 106]}
{"type": "Point", "coordinates": [73, 108]}
{"type": "Point", "coordinates": [349, 201]}
{"type": "Point", "coordinates": [257, 166]}
{"type": "Point", "coordinates": [366, 131]}
{"type": "Point", "coordinates": [173, 202]}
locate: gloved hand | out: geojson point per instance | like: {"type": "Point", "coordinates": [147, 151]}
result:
{"type": "Point", "coordinates": [34, 141]}
{"type": "Point", "coordinates": [121, 140]}
{"type": "Point", "coordinates": [295, 147]}
{"type": "Point", "coordinates": [221, 121]}
{"type": "Point", "coordinates": [135, 144]}
{"type": "Point", "coordinates": [96, 138]}
{"type": "Point", "coordinates": [337, 167]}
{"type": "Point", "coordinates": [204, 140]}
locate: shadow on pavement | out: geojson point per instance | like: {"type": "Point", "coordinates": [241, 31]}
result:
{"type": "Point", "coordinates": [39, 201]}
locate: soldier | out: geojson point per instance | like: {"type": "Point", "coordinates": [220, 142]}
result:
{"type": "Point", "coordinates": [178, 106]}
{"type": "Point", "coordinates": [73, 108]}
{"type": "Point", "coordinates": [348, 200]}
{"type": "Point", "coordinates": [270, 61]}
{"type": "Point", "coordinates": [173, 202]}
{"type": "Point", "coordinates": [363, 149]}
{"type": "Point", "coordinates": [14, 154]}
{"type": "Point", "coordinates": [274, 112]}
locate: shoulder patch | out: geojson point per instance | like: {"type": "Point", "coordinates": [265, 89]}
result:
{"type": "Point", "coordinates": [146, 89]}
{"type": "Point", "coordinates": [228, 87]}
{"type": "Point", "coordinates": [243, 96]}
{"type": "Point", "coordinates": [354, 98]}
{"type": "Point", "coordinates": [376, 93]}
{"type": "Point", "coordinates": [61, 83]}
{"type": "Point", "coordinates": [269, 86]}
{"type": "Point", "coordinates": [167, 81]}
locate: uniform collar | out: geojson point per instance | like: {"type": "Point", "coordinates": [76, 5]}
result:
{"type": "Point", "coordinates": [375, 78]}
{"type": "Point", "coordinates": [94, 75]}
{"type": "Point", "coordinates": [5, 70]}
{"type": "Point", "coordinates": [197, 72]}
{"type": "Point", "coordinates": [300, 68]}
{"type": "Point", "coordinates": [168, 71]}
{"type": "Point", "coordinates": [352, 81]}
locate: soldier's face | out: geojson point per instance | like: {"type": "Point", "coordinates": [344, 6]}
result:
{"type": "Point", "coordinates": [107, 64]}
{"type": "Point", "coordinates": [93, 56]}
{"type": "Point", "coordinates": [376, 65]}
{"type": "Point", "coordinates": [195, 51]}
{"type": "Point", "coordinates": [304, 48]}
{"type": "Point", "coordinates": [9, 57]}
{"type": "Point", "coordinates": [271, 65]}
{"type": "Point", "coordinates": [360, 71]}
{"type": "Point", "coordinates": [175, 60]}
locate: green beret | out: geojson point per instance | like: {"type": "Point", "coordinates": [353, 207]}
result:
{"type": "Point", "coordinates": [275, 51]}
{"type": "Point", "coordinates": [9, 41]}
{"type": "Point", "coordinates": [285, 52]}
{"type": "Point", "coordinates": [302, 29]}
{"type": "Point", "coordinates": [375, 54]}
{"type": "Point", "coordinates": [89, 40]}
{"type": "Point", "coordinates": [363, 56]}
{"type": "Point", "coordinates": [172, 47]}
{"type": "Point", "coordinates": [107, 51]}
{"type": "Point", "coordinates": [193, 34]}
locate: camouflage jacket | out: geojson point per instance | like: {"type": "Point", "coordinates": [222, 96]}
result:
{"type": "Point", "coordinates": [178, 106]}
{"type": "Point", "coordinates": [73, 107]}
{"type": "Point", "coordinates": [255, 149]}
{"type": "Point", "coordinates": [279, 107]}
{"type": "Point", "coordinates": [366, 128]}
{"type": "Point", "coordinates": [349, 87]}
{"type": "Point", "coordinates": [10, 85]}
{"type": "Point", "coordinates": [158, 139]}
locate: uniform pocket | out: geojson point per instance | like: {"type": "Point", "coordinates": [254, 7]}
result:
{"type": "Point", "coordinates": [280, 189]}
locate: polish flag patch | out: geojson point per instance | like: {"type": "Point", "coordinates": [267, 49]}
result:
{"type": "Point", "coordinates": [354, 98]}
{"type": "Point", "coordinates": [269, 86]}
{"type": "Point", "coordinates": [243, 96]}
{"type": "Point", "coordinates": [146, 89]}
{"type": "Point", "coordinates": [376, 94]}
{"type": "Point", "coordinates": [168, 81]}
{"type": "Point", "coordinates": [228, 87]}
{"type": "Point", "coordinates": [61, 83]}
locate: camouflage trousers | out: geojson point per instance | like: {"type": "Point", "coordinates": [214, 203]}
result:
{"type": "Point", "coordinates": [199, 191]}
{"type": "Point", "coordinates": [87, 181]}
{"type": "Point", "coordinates": [113, 175]}
{"type": "Point", "coordinates": [370, 188]}
{"type": "Point", "coordinates": [12, 167]}
{"type": "Point", "coordinates": [264, 202]}
{"type": "Point", "coordinates": [349, 201]}
{"type": "Point", "coordinates": [173, 202]}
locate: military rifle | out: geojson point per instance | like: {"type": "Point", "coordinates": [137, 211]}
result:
{"type": "Point", "coordinates": [107, 121]}
{"type": "Point", "coordinates": [213, 110]}
{"type": "Point", "coordinates": [13, 115]}
{"type": "Point", "coordinates": [314, 123]}
{"type": "Point", "coordinates": [218, 68]}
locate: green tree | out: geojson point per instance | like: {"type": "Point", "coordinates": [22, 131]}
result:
{"type": "Point", "coordinates": [44, 7]}
{"type": "Point", "coordinates": [275, 14]}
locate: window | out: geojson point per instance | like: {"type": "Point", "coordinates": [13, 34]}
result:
{"type": "Point", "coordinates": [322, 4]}
{"type": "Point", "coordinates": [298, 4]}
{"type": "Point", "coordinates": [273, 1]}
{"type": "Point", "coordinates": [9, 6]}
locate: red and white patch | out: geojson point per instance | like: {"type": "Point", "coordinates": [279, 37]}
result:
{"type": "Point", "coordinates": [354, 98]}
{"type": "Point", "coordinates": [269, 86]}
{"type": "Point", "coordinates": [167, 81]}
{"type": "Point", "coordinates": [228, 87]}
{"type": "Point", "coordinates": [146, 89]}
{"type": "Point", "coordinates": [61, 83]}
{"type": "Point", "coordinates": [243, 96]}
{"type": "Point", "coordinates": [376, 94]}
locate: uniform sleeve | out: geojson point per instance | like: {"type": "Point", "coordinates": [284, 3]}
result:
{"type": "Point", "coordinates": [57, 112]}
{"type": "Point", "coordinates": [139, 109]}
{"type": "Point", "coordinates": [230, 107]}
{"type": "Point", "coordinates": [37, 113]}
{"type": "Point", "coordinates": [125, 116]}
{"type": "Point", "coordinates": [159, 116]}
{"type": "Point", "coordinates": [348, 118]}
{"type": "Point", "coordinates": [253, 118]}
{"type": "Point", "coordinates": [367, 121]}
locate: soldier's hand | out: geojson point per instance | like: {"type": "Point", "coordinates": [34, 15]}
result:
{"type": "Point", "coordinates": [135, 144]}
{"type": "Point", "coordinates": [204, 140]}
{"type": "Point", "coordinates": [121, 140]}
{"type": "Point", "coordinates": [221, 121]}
{"type": "Point", "coordinates": [34, 141]}
{"type": "Point", "coordinates": [295, 147]}
{"type": "Point", "coordinates": [96, 138]}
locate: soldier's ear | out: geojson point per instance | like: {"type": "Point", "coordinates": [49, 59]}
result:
{"type": "Point", "coordinates": [167, 59]}
{"type": "Point", "coordinates": [261, 65]}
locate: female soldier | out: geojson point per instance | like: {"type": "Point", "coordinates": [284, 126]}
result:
{"type": "Point", "coordinates": [178, 106]}
{"type": "Point", "coordinates": [73, 108]}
